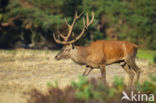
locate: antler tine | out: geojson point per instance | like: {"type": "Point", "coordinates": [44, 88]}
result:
{"type": "Point", "coordinates": [61, 35]}
{"type": "Point", "coordinates": [84, 23]}
{"type": "Point", "coordinates": [72, 25]}
{"type": "Point", "coordinates": [59, 41]}
{"type": "Point", "coordinates": [78, 16]}
{"type": "Point", "coordinates": [85, 27]}
{"type": "Point", "coordinates": [87, 19]}
{"type": "Point", "coordinates": [91, 21]}
{"type": "Point", "coordinates": [67, 23]}
{"type": "Point", "coordinates": [55, 38]}
{"type": "Point", "coordinates": [92, 18]}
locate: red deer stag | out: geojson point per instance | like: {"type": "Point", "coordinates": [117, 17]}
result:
{"type": "Point", "coordinates": [99, 53]}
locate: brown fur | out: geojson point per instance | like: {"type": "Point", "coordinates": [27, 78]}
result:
{"type": "Point", "coordinates": [104, 52]}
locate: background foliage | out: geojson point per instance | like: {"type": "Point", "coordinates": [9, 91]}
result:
{"type": "Point", "coordinates": [31, 23]}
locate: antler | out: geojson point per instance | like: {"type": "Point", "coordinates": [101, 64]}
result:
{"type": "Point", "coordinates": [65, 38]}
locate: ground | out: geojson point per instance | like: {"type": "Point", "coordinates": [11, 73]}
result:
{"type": "Point", "coordinates": [21, 70]}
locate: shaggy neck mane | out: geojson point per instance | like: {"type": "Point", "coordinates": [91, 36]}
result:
{"type": "Point", "coordinates": [79, 54]}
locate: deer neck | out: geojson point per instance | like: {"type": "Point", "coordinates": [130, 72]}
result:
{"type": "Point", "coordinates": [79, 54]}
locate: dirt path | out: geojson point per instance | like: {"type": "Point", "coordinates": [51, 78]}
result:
{"type": "Point", "coordinates": [22, 70]}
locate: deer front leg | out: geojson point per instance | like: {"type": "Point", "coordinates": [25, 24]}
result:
{"type": "Point", "coordinates": [103, 73]}
{"type": "Point", "coordinates": [87, 71]}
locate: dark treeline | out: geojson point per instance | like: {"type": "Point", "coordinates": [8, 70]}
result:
{"type": "Point", "coordinates": [31, 23]}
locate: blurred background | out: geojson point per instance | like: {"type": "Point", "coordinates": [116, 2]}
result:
{"type": "Point", "coordinates": [31, 23]}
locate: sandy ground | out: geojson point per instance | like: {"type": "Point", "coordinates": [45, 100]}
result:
{"type": "Point", "coordinates": [22, 70]}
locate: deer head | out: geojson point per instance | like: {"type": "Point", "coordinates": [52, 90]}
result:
{"type": "Point", "coordinates": [68, 48]}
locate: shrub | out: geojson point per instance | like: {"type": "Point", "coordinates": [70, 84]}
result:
{"type": "Point", "coordinates": [91, 91]}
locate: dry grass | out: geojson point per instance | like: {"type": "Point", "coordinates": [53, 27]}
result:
{"type": "Point", "coordinates": [21, 70]}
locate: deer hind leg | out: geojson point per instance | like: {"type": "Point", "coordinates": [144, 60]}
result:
{"type": "Point", "coordinates": [103, 73]}
{"type": "Point", "coordinates": [137, 70]}
{"type": "Point", "coordinates": [87, 71]}
{"type": "Point", "coordinates": [130, 73]}
{"type": "Point", "coordinates": [132, 64]}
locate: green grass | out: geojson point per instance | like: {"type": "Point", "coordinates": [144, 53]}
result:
{"type": "Point", "coordinates": [147, 55]}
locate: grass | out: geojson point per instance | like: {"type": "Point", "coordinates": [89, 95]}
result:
{"type": "Point", "coordinates": [147, 55]}
{"type": "Point", "coordinates": [26, 50]}
{"type": "Point", "coordinates": [21, 70]}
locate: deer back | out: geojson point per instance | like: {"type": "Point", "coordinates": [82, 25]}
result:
{"type": "Point", "coordinates": [107, 51]}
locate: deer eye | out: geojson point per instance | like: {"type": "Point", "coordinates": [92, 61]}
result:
{"type": "Point", "coordinates": [67, 49]}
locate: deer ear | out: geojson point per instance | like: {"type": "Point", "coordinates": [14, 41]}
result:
{"type": "Point", "coordinates": [73, 46]}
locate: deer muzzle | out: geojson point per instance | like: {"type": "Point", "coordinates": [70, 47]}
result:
{"type": "Point", "coordinates": [57, 57]}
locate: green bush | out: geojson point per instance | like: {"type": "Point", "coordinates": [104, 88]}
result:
{"type": "Point", "coordinates": [92, 91]}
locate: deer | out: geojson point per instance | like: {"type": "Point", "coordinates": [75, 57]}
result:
{"type": "Point", "coordinates": [98, 54]}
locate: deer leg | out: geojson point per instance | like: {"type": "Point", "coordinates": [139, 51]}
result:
{"type": "Point", "coordinates": [103, 73]}
{"type": "Point", "coordinates": [131, 62]}
{"type": "Point", "coordinates": [136, 69]}
{"type": "Point", "coordinates": [130, 73]}
{"type": "Point", "coordinates": [87, 71]}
